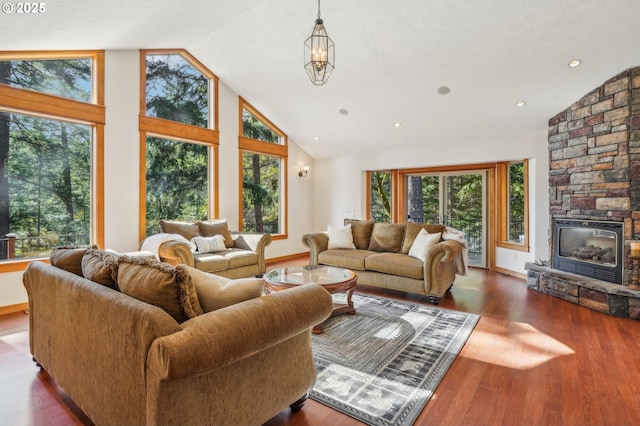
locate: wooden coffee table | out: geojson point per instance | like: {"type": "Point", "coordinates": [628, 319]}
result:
{"type": "Point", "coordinates": [332, 278]}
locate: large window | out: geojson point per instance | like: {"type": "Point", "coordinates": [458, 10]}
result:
{"type": "Point", "coordinates": [513, 228]}
{"type": "Point", "coordinates": [51, 143]}
{"type": "Point", "coordinates": [179, 142]}
{"type": "Point", "coordinates": [263, 164]}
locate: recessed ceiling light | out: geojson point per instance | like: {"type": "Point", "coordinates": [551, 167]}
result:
{"type": "Point", "coordinates": [315, 138]}
{"type": "Point", "coordinates": [343, 111]}
{"type": "Point", "coordinates": [574, 63]}
{"type": "Point", "coordinates": [397, 124]}
{"type": "Point", "coordinates": [443, 90]}
{"type": "Point", "coordinates": [520, 104]}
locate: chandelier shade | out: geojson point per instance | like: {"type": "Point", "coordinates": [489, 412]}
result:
{"type": "Point", "coordinates": [319, 53]}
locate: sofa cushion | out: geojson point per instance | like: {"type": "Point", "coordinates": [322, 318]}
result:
{"type": "Point", "coordinates": [210, 262]}
{"type": "Point", "coordinates": [209, 244]}
{"type": "Point", "coordinates": [69, 258]}
{"type": "Point", "coordinates": [215, 292]}
{"type": "Point", "coordinates": [345, 258]}
{"type": "Point", "coordinates": [423, 243]}
{"type": "Point", "coordinates": [101, 266]}
{"type": "Point", "coordinates": [240, 257]}
{"type": "Point", "coordinates": [412, 229]}
{"type": "Point", "coordinates": [387, 237]}
{"type": "Point", "coordinates": [340, 237]}
{"type": "Point", "coordinates": [361, 231]}
{"type": "Point", "coordinates": [395, 264]}
{"type": "Point", "coordinates": [209, 228]}
{"type": "Point", "coordinates": [159, 284]}
{"type": "Point", "coordinates": [187, 229]}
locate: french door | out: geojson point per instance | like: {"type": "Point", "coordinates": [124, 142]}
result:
{"type": "Point", "coordinates": [456, 199]}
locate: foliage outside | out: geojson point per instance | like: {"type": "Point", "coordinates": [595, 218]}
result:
{"type": "Point", "coordinates": [261, 184]}
{"type": "Point", "coordinates": [177, 172]}
{"type": "Point", "coordinates": [45, 164]}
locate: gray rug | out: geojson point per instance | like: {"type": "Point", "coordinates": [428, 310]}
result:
{"type": "Point", "coordinates": [382, 364]}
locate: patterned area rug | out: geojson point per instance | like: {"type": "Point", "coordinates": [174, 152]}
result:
{"type": "Point", "coordinates": [382, 364]}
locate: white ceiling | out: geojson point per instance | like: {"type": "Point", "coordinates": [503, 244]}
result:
{"type": "Point", "coordinates": [391, 57]}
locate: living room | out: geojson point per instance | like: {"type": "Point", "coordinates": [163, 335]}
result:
{"type": "Point", "coordinates": [500, 54]}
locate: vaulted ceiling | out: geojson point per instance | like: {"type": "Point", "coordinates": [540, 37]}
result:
{"type": "Point", "coordinates": [391, 58]}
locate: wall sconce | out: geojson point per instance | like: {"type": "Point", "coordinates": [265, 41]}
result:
{"type": "Point", "coordinates": [302, 171]}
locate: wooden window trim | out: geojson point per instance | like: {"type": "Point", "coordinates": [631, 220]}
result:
{"type": "Point", "coordinates": [266, 148]}
{"type": "Point", "coordinates": [502, 170]}
{"type": "Point", "coordinates": [168, 129]}
{"type": "Point", "coordinates": [45, 105]}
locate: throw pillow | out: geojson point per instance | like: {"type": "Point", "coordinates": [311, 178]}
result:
{"type": "Point", "coordinates": [216, 292]}
{"type": "Point", "coordinates": [210, 228]}
{"type": "Point", "coordinates": [209, 244]}
{"type": "Point", "coordinates": [387, 237]}
{"type": "Point", "coordinates": [69, 258]}
{"type": "Point", "coordinates": [101, 267]}
{"type": "Point", "coordinates": [185, 228]}
{"type": "Point", "coordinates": [340, 237]}
{"type": "Point", "coordinates": [361, 230]}
{"type": "Point", "coordinates": [412, 229]}
{"type": "Point", "coordinates": [159, 284]}
{"type": "Point", "coordinates": [423, 243]}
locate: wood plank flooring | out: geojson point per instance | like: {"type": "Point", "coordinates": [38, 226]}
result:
{"type": "Point", "coordinates": [531, 360]}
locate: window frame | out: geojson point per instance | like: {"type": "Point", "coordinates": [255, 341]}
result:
{"type": "Point", "coordinates": [502, 183]}
{"type": "Point", "coordinates": [393, 176]}
{"type": "Point", "coordinates": [168, 129]}
{"type": "Point", "coordinates": [29, 102]}
{"type": "Point", "coordinates": [256, 146]}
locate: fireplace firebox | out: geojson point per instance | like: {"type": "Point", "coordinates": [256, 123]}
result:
{"type": "Point", "coordinates": [589, 247]}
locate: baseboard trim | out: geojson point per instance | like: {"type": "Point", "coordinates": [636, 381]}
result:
{"type": "Point", "coordinates": [510, 273]}
{"type": "Point", "coordinates": [287, 257]}
{"type": "Point", "coordinates": [14, 308]}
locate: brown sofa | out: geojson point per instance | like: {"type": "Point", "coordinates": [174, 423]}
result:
{"type": "Point", "coordinates": [244, 254]}
{"type": "Point", "coordinates": [128, 362]}
{"type": "Point", "coordinates": [380, 256]}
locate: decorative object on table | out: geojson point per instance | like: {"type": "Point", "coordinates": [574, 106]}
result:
{"type": "Point", "coordinates": [383, 364]}
{"type": "Point", "coordinates": [634, 253]}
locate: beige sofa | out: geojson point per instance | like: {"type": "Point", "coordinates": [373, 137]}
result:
{"type": "Point", "coordinates": [243, 256]}
{"type": "Point", "coordinates": [125, 361]}
{"type": "Point", "coordinates": [380, 256]}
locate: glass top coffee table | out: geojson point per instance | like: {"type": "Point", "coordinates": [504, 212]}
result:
{"type": "Point", "coordinates": [331, 278]}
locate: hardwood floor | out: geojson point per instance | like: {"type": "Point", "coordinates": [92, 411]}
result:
{"type": "Point", "coordinates": [531, 360]}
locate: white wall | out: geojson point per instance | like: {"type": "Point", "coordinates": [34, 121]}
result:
{"type": "Point", "coordinates": [337, 199]}
{"type": "Point", "coordinates": [122, 179]}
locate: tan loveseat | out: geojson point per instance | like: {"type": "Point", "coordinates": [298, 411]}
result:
{"type": "Point", "coordinates": [128, 362]}
{"type": "Point", "coordinates": [243, 256]}
{"type": "Point", "coordinates": [380, 256]}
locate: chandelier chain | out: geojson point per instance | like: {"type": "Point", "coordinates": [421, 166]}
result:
{"type": "Point", "coordinates": [318, 9]}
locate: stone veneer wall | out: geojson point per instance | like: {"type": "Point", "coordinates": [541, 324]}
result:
{"type": "Point", "coordinates": [594, 156]}
{"type": "Point", "coordinates": [594, 173]}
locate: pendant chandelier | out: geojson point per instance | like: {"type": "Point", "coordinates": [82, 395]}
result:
{"type": "Point", "coordinates": [319, 53]}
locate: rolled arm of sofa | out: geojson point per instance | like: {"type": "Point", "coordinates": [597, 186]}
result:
{"type": "Point", "coordinates": [220, 338]}
{"type": "Point", "coordinates": [176, 253]}
{"type": "Point", "coordinates": [439, 269]}
{"type": "Point", "coordinates": [317, 242]}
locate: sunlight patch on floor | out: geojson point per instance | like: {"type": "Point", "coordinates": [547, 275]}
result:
{"type": "Point", "coordinates": [517, 345]}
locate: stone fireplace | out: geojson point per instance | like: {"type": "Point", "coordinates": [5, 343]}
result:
{"type": "Point", "coordinates": [594, 175]}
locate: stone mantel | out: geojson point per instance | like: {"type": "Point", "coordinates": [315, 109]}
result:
{"type": "Point", "coordinates": [612, 299]}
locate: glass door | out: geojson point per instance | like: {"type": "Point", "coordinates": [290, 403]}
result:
{"type": "Point", "coordinates": [456, 199]}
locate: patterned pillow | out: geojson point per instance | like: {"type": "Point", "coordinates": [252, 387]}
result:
{"type": "Point", "coordinates": [209, 244]}
{"type": "Point", "coordinates": [159, 284]}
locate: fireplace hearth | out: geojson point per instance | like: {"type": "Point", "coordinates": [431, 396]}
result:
{"type": "Point", "coordinates": [590, 248]}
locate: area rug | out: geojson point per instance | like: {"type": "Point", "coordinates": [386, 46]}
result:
{"type": "Point", "coordinates": [382, 364]}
